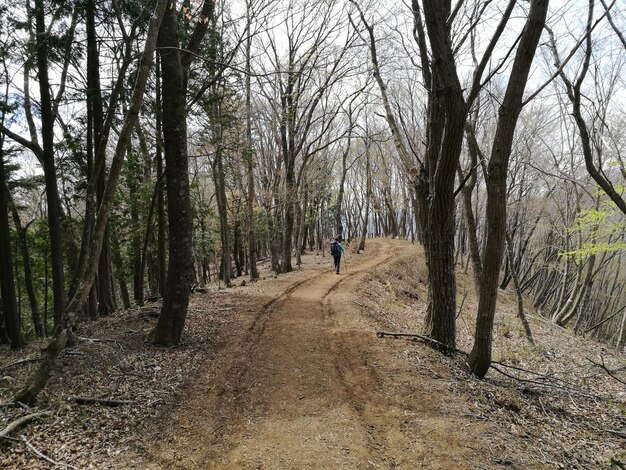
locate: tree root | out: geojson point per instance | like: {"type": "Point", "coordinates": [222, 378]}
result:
{"type": "Point", "coordinates": [43, 456]}
{"type": "Point", "coordinates": [29, 393]}
{"type": "Point", "coordinates": [100, 401]}
{"type": "Point", "coordinates": [23, 421]}
{"type": "Point", "coordinates": [18, 363]}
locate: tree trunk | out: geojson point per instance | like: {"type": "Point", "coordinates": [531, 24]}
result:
{"type": "Point", "coordinates": [119, 272]}
{"type": "Point", "coordinates": [249, 159]}
{"type": "Point", "coordinates": [28, 273]}
{"type": "Point", "coordinates": [169, 328]}
{"type": "Point", "coordinates": [11, 315]}
{"type": "Point", "coordinates": [621, 340]}
{"type": "Point", "coordinates": [219, 179]}
{"type": "Point", "coordinates": [28, 394]}
{"type": "Point", "coordinates": [470, 220]}
{"type": "Point", "coordinates": [161, 235]}
{"type": "Point", "coordinates": [52, 193]}
{"type": "Point", "coordinates": [446, 118]}
{"type": "Point", "coordinates": [94, 97]}
{"type": "Point", "coordinates": [368, 195]}
{"type": "Point", "coordinates": [518, 292]}
{"type": "Point", "coordinates": [289, 220]}
{"type": "Point", "coordinates": [480, 357]}
{"type": "Point", "coordinates": [567, 313]}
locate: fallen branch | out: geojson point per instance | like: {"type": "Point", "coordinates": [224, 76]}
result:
{"type": "Point", "coordinates": [97, 340]}
{"type": "Point", "coordinates": [23, 421]}
{"type": "Point", "coordinates": [19, 363]}
{"type": "Point", "coordinates": [100, 401]}
{"type": "Point", "coordinates": [43, 456]}
{"type": "Point", "coordinates": [426, 339]}
{"type": "Point", "coordinates": [549, 381]}
{"type": "Point", "coordinates": [568, 387]}
{"type": "Point", "coordinates": [607, 370]}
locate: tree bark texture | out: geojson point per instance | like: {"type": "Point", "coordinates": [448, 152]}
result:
{"type": "Point", "coordinates": [446, 119]}
{"type": "Point", "coordinates": [169, 328]}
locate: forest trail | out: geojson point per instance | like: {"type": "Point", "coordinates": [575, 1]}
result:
{"type": "Point", "coordinates": [309, 385]}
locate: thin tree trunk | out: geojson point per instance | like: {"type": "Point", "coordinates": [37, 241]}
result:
{"type": "Point", "coordinates": [518, 292]}
{"type": "Point", "coordinates": [28, 272]}
{"type": "Point", "coordinates": [249, 159]}
{"type": "Point", "coordinates": [480, 357]}
{"type": "Point", "coordinates": [120, 274]}
{"type": "Point", "coordinates": [52, 193]}
{"type": "Point", "coordinates": [368, 196]}
{"type": "Point", "coordinates": [219, 179]}
{"type": "Point", "coordinates": [94, 97]}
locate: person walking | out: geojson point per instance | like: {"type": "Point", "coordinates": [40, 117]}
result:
{"type": "Point", "coordinates": [336, 249]}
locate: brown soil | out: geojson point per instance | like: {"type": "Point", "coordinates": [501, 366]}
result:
{"type": "Point", "coordinates": [308, 384]}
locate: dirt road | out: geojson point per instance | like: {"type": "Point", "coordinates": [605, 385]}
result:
{"type": "Point", "coordinates": [308, 385]}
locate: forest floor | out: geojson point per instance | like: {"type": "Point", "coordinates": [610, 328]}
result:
{"type": "Point", "coordinates": [288, 373]}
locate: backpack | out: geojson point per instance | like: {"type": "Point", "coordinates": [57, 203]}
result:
{"type": "Point", "coordinates": [334, 248]}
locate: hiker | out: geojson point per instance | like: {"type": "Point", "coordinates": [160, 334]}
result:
{"type": "Point", "coordinates": [336, 249]}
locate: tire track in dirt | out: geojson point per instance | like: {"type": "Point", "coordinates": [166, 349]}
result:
{"type": "Point", "coordinates": [263, 412]}
{"type": "Point", "coordinates": [306, 384]}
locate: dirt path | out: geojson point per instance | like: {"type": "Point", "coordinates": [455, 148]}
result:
{"type": "Point", "coordinates": [309, 385]}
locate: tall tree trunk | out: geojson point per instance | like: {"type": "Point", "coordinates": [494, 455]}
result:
{"type": "Point", "coordinates": [10, 312]}
{"type": "Point", "coordinates": [219, 179]}
{"type": "Point", "coordinates": [169, 328]}
{"type": "Point", "coordinates": [289, 220]}
{"type": "Point", "coordinates": [94, 97]}
{"type": "Point", "coordinates": [480, 356]}
{"type": "Point", "coordinates": [446, 118]}
{"type": "Point", "coordinates": [161, 231]}
{"type": "Point", "coordinates": [119, 272]}
{"type": "Point", "coordinates": [52, 193]}
{"type": "Point", "coordinates": [249, 159]}
{"type": "Point", "coordinates": [468, 213]}
{"type": "Point", "coordinates": [342, 182]}
{"type": "Point", "coordinates": [368, 195]}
